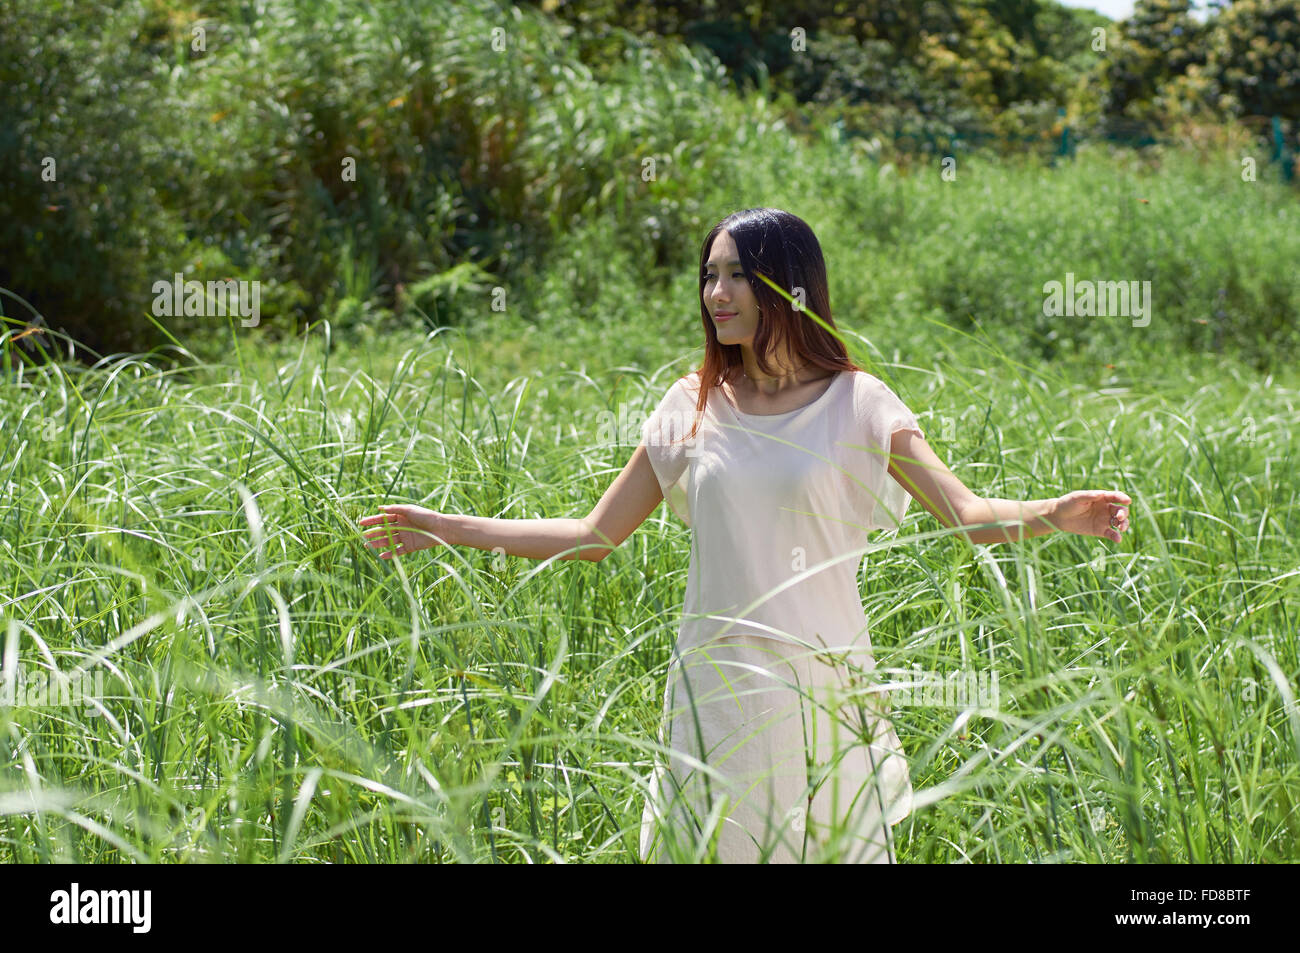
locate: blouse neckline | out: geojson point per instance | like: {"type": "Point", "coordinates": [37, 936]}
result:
{"type": "Point", "coordinates": [789, 413]}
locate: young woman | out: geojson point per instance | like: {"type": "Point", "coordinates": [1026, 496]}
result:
{"type": "Point", "coordinates": [781, 455]}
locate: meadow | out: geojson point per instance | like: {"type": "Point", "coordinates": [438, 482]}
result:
{"type": "Point", "coordinates": [277, 692]}
{"type": "Point", "coordinates": [180, 525]}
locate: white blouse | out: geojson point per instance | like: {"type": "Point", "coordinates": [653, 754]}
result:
{"type": "Point", "coordinates": [771, 497]}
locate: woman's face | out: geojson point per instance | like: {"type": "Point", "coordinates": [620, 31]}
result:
{"type": "Point", "coordinates": [727, 295]}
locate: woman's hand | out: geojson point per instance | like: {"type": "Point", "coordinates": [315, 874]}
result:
{"type": "Point", "coordinates": [411, 528]}
{"type": "Point", "coordinates": [1093, 513]}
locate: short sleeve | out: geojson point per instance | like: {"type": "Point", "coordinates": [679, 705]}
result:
{"type": "Point", "coordinates": [666, 435]}
{"type": "Point", "coordinates": [877, 499]}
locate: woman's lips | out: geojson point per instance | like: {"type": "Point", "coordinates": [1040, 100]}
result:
{"type": "Point", "coordinates": [724, 315]}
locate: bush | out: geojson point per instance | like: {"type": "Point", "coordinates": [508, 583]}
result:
{"type": "Point", "coordinates": [85, 155]}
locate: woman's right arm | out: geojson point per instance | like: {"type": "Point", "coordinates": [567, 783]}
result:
{"type": "Point", "coordinates": [631, 498]}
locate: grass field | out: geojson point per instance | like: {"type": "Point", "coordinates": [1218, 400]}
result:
{"type": "Point", "coordinates": [180, 528]}
{"type": "Point", "coordinates": [274, 691]}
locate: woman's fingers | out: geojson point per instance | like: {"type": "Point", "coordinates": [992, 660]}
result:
{"type": "Point", "coordinates": [397, 526]}
{"type": "Point", "coordinates": [380, 518]}
{"type": "Point", "coordinates": [387, 533]}
{"type": "Point", "coordinates": [394, 548]}
{"type": "Point", "coordinates": [1118, 507]}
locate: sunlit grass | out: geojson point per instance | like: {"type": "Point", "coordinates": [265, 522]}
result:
{"type": "Point", "coordinates": [279, 693]}
{"type": "Point", "coordinates": [276, 692]}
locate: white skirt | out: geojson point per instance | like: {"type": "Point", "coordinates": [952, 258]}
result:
{"type": "Point", "coordinates": [779, 754]}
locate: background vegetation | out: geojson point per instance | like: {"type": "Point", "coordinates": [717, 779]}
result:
{"type": "Point", "coordinates": [213, 139]}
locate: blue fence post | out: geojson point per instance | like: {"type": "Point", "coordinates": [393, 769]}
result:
{"type": "Point", "coordinates": [1281, 155]}
{"type": "Point", "coordinates": [1064, 149]}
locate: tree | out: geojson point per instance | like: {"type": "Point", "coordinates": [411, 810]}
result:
{"type": "Point", "coordinates": [1254, 58]}
{"type": "Point", "coordinates": [1158, 43]}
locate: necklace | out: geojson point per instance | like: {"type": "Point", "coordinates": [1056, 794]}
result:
{"type": "Point", "coordinates": [781, 378]}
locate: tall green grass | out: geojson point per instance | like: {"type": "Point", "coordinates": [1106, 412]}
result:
{"type": "Point", "coordinates": [280, 693]}
{"type": "Point", "coordinates": [185, 522]}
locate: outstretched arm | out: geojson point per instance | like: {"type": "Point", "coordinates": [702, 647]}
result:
{"type": "Point", "coordinates": [403, 528]}
{"type": "Point", "coordinates": [919, 470]}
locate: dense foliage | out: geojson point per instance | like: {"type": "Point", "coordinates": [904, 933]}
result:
{"type": "Point", "coordinates": [145, 138]}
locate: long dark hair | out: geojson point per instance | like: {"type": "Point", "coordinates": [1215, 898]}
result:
{"type": "Point", "coordinates": [782, 247]}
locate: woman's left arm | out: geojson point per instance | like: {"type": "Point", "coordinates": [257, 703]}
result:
{"type": "Point", "coordinates": [919, 470]}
